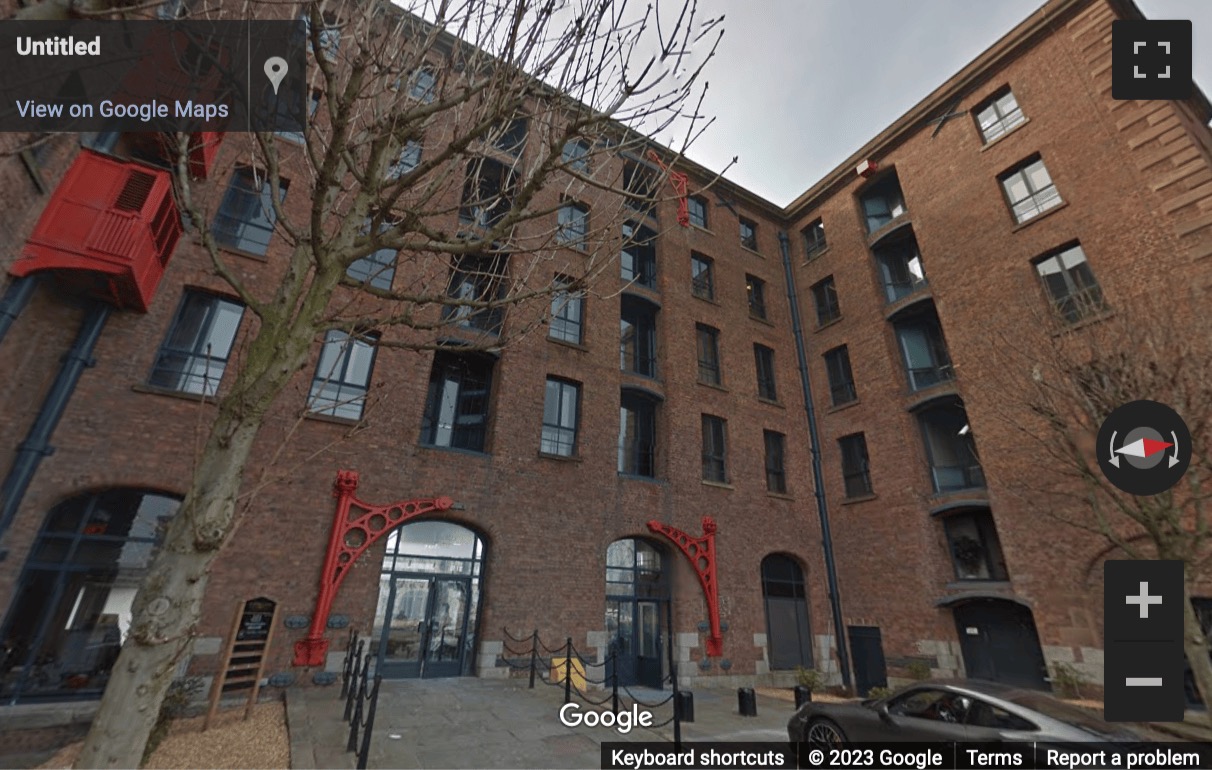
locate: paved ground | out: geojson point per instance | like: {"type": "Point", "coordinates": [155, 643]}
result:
{"type": "Point", "coordinates": [479, 723]}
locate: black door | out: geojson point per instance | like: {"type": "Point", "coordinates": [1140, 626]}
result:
{"type": "Point", "coordinates": [867, 650]}
{"type": "Point", "coordinates": [637, 644]}
{"type": "Point", "coordinates": [999, 643]}
{"type": "Point", "coordinates": [788, 636]}
{"type": "Point", "coordinates": [426, 634]}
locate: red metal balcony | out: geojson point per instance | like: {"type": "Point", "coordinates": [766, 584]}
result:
{"type": "Point", "coordinates": [107, 232]}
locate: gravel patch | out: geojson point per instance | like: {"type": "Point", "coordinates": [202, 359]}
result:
{"type": "Point", "coordinates": [230, 744]}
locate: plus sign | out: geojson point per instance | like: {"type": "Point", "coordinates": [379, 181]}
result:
{"type": "Point", "coordinates": [1144, 600]}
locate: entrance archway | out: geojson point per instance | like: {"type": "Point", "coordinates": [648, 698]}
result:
{"type": "Point", "coordinates": [72, 607]}
{"type": "Point", "coordinates": [429, 600]}
{"type": "Point", "coordinates": [999, 643]}
{"type": "Point", "coordinates": [637, 605]}
{"type": "Point", "coordinates": [788, 636]}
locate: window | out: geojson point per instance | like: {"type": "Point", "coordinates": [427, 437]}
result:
{"type": "Point", "coordinates": [856, 471]}
{"type": "Point", "coordinates": [927, 362]}
{"type": "Point", "coordinates": [976, 552]}
{"type": "Point", "coordinates": [342, 375]}
{"type": "Point", "coordinates": [749, 234]}
{"type": "Point", "coordinates": [421, 85]}
{"type": "Point", "coordinates": [487, 192]}
{"type": "Point", "coordinates": [283, 108]}
{"type": "Point", "coordinates": [637, 435]}
{"type": "Point", "coordinates": [639, 255]}
{"type": "Point", "coordinates": [195, 350]}
{"type": "Point", "coordinates": [475, 280]}
{"type": "Point", "coordinates": [408, 159]}
{"type": "Point", "coordinates": [824, 294]}
{"type": "Point", "coordinates": [841, 379]}
{"type": "Point", "coordinates": [776, 474]}
{"type": "Point", "coordinates": [567, 307]}
{"type": "Point", "coordinates": [639, 184]}
{"type": "Point", "coordinates": [377, 268]}
{"type": "Point", "coordinates": [702, 281]}
{"type": "Point", "coordinates": [510, 138]}
{"type": "Point", "coordinates": [574, 225]}
{"type": "Point", "coordinates": [900, 268]}
{"type": "Point", "coordinates": [814, 239]}
{"type": "Point", "coordinates": [715, 449]}
{"type": "Point", "coordinates": [561, 406]}
{"type": "Point", "coordinates": [172, 9]}
{"type": "Point", "coordinates": [998, 115]}
{"type": "Point", "coordinates": [950, 449]}
{"type": "Point", "coordinates": [764, 359]}
{"type": "Point", "coordinates": [576, 155]}
{"type": "Point", "coordinates": [709, 354]}
{"type": "Point", "coordinates": [698, 211]}
{"type": "Point", "coordinates": [882, 202]}
{"type": "Point", "coordinates": [755, 290]}
{"type": "Point", "coordinates": [330, 36]}
{"type": "Point", "coordinates": [1071, 284]}
{"type": "Point", "coordinates": [456, 412]}
{"type": "Point", "coordinates": [1029, 189]}
{"type": "Point", "coordinates": [245, 220]}
{"type": "Point", "coordinates": [637, 333]}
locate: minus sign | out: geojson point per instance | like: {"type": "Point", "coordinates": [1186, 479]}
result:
{"type": "Point", "coordinates": [1143, 681]}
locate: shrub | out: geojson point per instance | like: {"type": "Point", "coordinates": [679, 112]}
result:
{"type": "Point", "coordinates": [876, 693]}
{"type": "Point", "coordinates": [810, 678]}
{"type": "Point", "coordinates": [1068, 680]}
{"type": "Point", "coordinates": [918, 669]}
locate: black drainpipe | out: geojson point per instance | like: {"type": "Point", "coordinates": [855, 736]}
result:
{"type": "Point", "coordinates": [37, 443]}
{"type": "Point", "coordinates": [15, 298]}
{"type": "Point", "coordinates": [818, 476]}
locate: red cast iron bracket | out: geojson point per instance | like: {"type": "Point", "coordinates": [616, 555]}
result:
{"type": "Point", "coordinates": [349, 539]}
{"type": "Point", "coordinates": [701, 552]}
{"type": "Point", "coordinates": [679, 182]}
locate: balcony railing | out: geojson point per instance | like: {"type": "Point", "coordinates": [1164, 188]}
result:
{"type": "Point", "coordinates": [950, 478]}
{"type": "Point", "coordinates": [928, 377]}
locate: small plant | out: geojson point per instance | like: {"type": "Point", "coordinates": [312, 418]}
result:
{"type": "Point", "coordinates": [810, 678]}
{"type": "Point", "coordinates": [1068, 680]}
{"type": "Point", "coordinates": [878, 693]}
{"type": "Point", "coordinates": [918, 670]}
{"type": "Point", "coordinates": [176, 702]}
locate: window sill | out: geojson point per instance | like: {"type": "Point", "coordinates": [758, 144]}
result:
{"type": "Point", "coordinates": [233, 250]}
{"type": "Point", "coordinates": [842, 407]}
{"type": "Point", "coordinates": [567, 344]}
{"type": "Point", "coordinates": [1011, 132]}
{"type": "Point", "coordinates": [814, 256]}
{"type": "Point", "coordinates": [968, 583]}
{"type": "Point", "coordinates": [1038, 217]}
{"type": "Point", "coordinates": [329, 418]}
{"type": "Point", "coordinates": [771, 402]}
{"type": "Point", "coordinates": [827, 324]}
{"type": "Point", "coordinates": [718, 484]}
{"type": "Point", "coordinates": [152, 389]}
{"type": "Point", "coordinates": [631, 284]}
{"type": "Point", "coordinates": [1082, 323]}
{"type": "Point", "coordinates": [860, 499]}
{"type": "Point", "coordinates": [713, 386]}
{"type": "Point", "coordinates": [561, 458]}
{"type": "Point", "coordinates": [780, 495]}
{"type": "Point", "coordinates": [709, 300]}
{"type": "Point", "coordinates": [761, 319]}
{"type": "Point", "coordinates": [456, 450]}
{"type": "Point", "coordinates": [702, 229]}
{"type": "Point", "coordinates": [644, 479]}
{"type": "Point", "coordinates": [754, 252]}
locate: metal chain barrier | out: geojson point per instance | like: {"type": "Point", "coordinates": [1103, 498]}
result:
{"type": "Point", "coordinates": [357, 690]}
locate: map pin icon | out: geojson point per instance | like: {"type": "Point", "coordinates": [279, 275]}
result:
{"type": "Point", "coordinates": [275, 70]}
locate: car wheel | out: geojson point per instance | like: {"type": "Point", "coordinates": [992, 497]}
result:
{"type": "Point", "coordinates": [824, 733]}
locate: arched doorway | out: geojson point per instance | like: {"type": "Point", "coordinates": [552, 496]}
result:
{"type": "Point", "coordinates": [637, 605]}
{"type": "Point", "coordinates": [429, 600]}
{"type": "Point", "coordinates": [72, 607]}
{"type": "Point", "coordinates": [788, 636]}
{"type": "Point", "coordinates": [999, 643]}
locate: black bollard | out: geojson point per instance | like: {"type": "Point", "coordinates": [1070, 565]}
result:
{"type": "Point", "coordinates": [746, 702]}
{"type": "Point", "coordinates": [803, 695]}
{"type": "Point", "coordinates": [685, 705]}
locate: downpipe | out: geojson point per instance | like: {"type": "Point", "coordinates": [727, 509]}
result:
{"type": "Point", "coordinates": [15, 298]}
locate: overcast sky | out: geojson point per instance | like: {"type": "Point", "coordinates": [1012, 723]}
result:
{"type": "Point", "coordinates": [798, 85]}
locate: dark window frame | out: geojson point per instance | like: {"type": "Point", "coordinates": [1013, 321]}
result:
{"type": "Point", "coordinates": [1037, 200]}
{"type": "Point", "coordinates": [486, 275]}
{"type": "Point", "coordinates": [641, 316]}
{"type": "Point", "coordinates": [814, 238]}
{"type": "Point", "coordinates": [572, 228]}
{"type": "Point", "coordinates": [638, 255]}
{"type": "Point", "coordinates": [637, 453]}
{"type": "Point", "coordinates": [560, 439]}
{"type": "Point", "coordinates": [748, 232]}
{"type": "Point", "coordinates": [842, 388]}
{"type": "Point", "coordinates": [187, 359]}
{"type": "Point", "coordinates": [488, 190]}
{"type": "Point", "coordinates": [702, 281]}
{"type": "Point", "coordinates": [825, 298]}
{"type": "Point", "coordinates": [856, 466]}
{"type": "Point", "coordinates": [715, 449]}
{"type": "Point", "coordinates": [696, 206]}
{"type": "Point", "coordinates": [1082, 298]}
{"type": "Point", "coordinates": [567, 312]}
{"type": "Point", "coordinates": [578, 158]}
{"type": "Point", "coordinates": [776, 455]}
{"type": "Point", "coordinates": [378, 268]}
{"type": "Point", "coordinates": [763, 359]}
{"type": "Point", "coordinates": [755, 295]}
{"type": "Point", "coordinates": [472, 377]}
{"type": "Point", "coordinates": [250, 229]}
{"type": "Point", "coordinates": [1003, 120]}
{"type": "Point", "coordinates": [940, 422]}
{"type": "Point", "coordinates": [882, 202]}
{"type": "Point", "coordinates": [983, 554]}
{"type": "Point", "coordinates": [331, 394]}
{"type": "Point", "coordinates": [707, 344]}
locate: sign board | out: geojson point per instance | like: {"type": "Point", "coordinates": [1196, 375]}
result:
{"type": "Point", "coordinates": [252, 632]}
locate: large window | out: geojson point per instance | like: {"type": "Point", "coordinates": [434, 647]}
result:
{"type": "Point", "coordinates": [567, 312]}
{"type": "Point", "coordinates": [377, 268]}
{"type": "Point", "coordinates": [475, 280]}
{"type": "Point", "coordinates": [715, 449]}
{"type": "Point", "coordinates": [638, 258]}
{"type": "Point", "coordinates": [456, 413]}
{"type": "Point", "coordinates": [510, 136]}
{"type": "Point", "coordinates": [576, 155]}
{"type": "Point", "coordinates": [763, 358]}
{"type": "Point", "coordinates": [342, 377]}
{"type": "Point", "coordinates": [1029, 189]}
{"type": "Point", "coordinates": [245, 220]}
{"type": "Point", "coordinates": [814, 239]}
{"type": "Point", "coordinates": [640, 186]}
{"type": "Point", "coordinates": [702, 279]}
{"type": "Point", "coordinates": [422, 84]}
{"type": "Point", "coordinates": [487, 192]}
{"type": "Point", "coordinates": [755, 291]}
{"type": "Point", "coordinates": [824, 296]}
{"type": "Point", "coordinates": [749, 234]}
{"type": "Point", "coordinates": [998, 115]}
{"type": "Point", "coordinates": [776, 472]}
{"type": "Point", "coordinates": [561, 407]}
{"type": "Point", "coordinates": [882, 202]}
{"type": "Point", "coordinates": [950, 449]}
{"type": "Point", "coordinates": [856, 471]}
{"type": "Point", "coordinates": [900, 268]}
{"type": "Point", "coordinates": [927, 361]}
{"type": "Point", "coordinates": [408, 159]}
{"type": "Point", "coordinates": [976, 551]}
{"type": "Point", "coordinates": [194, 353]}
{"type": "Point", "coordinates": [841, 379]}
{"type": "Point", "coordinates": [637, 434]}
{"type": "Point", "coordinates": [1071, 284]}
{"type": "Point", "coordinates": [697, 207]}
{"type": "Point", "coordinates": [709, 354]}
{"type": "Point", "coordinates": [637, 336]}
{"type": "Point", "coordinates": [573, 225]}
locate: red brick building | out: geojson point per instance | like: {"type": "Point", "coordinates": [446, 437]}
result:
{"type": "Point", "coordinates": [558, 451]}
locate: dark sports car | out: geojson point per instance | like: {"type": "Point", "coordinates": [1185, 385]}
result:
{"type": "Point", "coordinates": [952, 710]}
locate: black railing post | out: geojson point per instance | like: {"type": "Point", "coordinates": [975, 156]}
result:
{"type": "Point", "coordinates": [353, 689]}
{"type": "Point", "coordinates": [352, 743]}
{"type": "Point", "coordinates": [364, 754]}
{"type": "Point", "coordinates": [346, 665]}
{"type": "Point", "coordinates": [534, 655]}
{"type": "Point", "coordinates": [568, 671]}
{"type": "Point", "coordinates": [677, 709]}
{"type": "Point", "coordinates": [614, 682]}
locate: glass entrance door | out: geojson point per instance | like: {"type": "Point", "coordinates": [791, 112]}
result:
{"type": "Point", "coordinates": [648, 644]}
{"type": "Point", "coordinates": [425, 630]}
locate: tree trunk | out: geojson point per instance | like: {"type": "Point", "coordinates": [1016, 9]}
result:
{"type": "Point", "coordinates": [1195, 644]}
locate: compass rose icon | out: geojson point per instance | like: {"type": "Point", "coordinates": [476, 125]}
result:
{"type": "Point", "coordinates": [1144, 447]}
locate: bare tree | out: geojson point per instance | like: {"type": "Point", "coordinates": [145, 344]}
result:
{"type": "Point", "coordinates": [1061, 376]}
{"type": "Point", "coordinates": [480, 140]}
